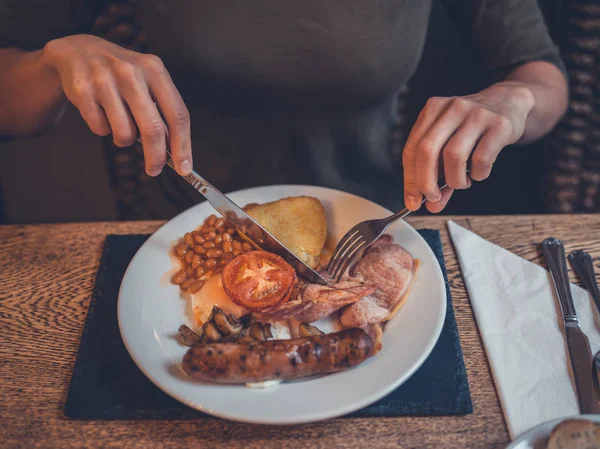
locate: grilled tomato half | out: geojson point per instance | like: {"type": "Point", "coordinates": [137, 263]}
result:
{"type": "Point", "coordinates": [258, 280]}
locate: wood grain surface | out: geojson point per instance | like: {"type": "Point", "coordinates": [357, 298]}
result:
{"type": "Point", "coordinates": [46, 279]}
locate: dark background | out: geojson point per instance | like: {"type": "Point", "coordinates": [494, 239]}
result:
{"type": "Point", "coordinates": [63, 175]}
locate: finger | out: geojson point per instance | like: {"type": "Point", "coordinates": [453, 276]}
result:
{"type": "Point", "coordinates": [486, 152]}
{"type": "Point", "coordinates": [433, 141]}
{"type": "Point", "coordinates": [457, 151]}
{"type": "Point", "coordinates": [150, 124]}
{"type": "Point", "coordinates": [121, 123]}
{"type": "Point", "coordinates": [433, 107]}
{"type": "Point", "coordinates": [81, 94]}
{"type": "Point", "coordinates": [173, 110]}
{"type": "Point", "coordinates": [438, 206]}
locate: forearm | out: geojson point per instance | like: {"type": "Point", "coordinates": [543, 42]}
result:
{"type": "Point", "coordinates": [31, 97]}
{"type": "Point", "coordinates": [549, 88]}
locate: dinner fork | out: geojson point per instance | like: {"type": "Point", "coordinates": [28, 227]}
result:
{"type": "Point", "coordinates": [354, 243]}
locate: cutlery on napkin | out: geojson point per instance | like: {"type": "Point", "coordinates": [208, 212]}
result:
{"type": "Point", "coordinates": [521, 326]}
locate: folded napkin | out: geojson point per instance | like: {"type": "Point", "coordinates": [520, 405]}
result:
{"type": "Point", "coordinates": [519, 319]}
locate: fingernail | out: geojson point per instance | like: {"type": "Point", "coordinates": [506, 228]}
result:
{"type": "Point", "coordinates": [434, 198]}
{"type": "Point", "coordinates": [185, 167]}
{"type": "Point", "coordinates": [412, 202]}
{"type": "Point", "coordinates": [469, 182]}
{"type": "Point", "coordinates": [153, 171]}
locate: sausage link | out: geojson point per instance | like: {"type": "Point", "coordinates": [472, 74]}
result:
{"type": "Point", "coordinates": [236, 363]}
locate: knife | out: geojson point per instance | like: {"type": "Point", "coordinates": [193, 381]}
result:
{"type": "Point", "coordinates": [246, 225]}
{"type": "Point", "coordinates": [578, 344]}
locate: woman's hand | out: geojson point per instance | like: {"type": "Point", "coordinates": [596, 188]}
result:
{"type": "Point", "coordinates": [117, 91]}
{"type": "Point", "coordinates": [450, 131]}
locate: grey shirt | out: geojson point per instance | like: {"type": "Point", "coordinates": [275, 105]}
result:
{"type": "Point", "coordinates": [295, 91]}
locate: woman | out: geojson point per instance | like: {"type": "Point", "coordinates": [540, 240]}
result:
{"type": "Point", "coordinates": [284, 91]}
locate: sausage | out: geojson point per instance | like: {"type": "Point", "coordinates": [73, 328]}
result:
{"type": "Point", "coordinates": [257, 361]}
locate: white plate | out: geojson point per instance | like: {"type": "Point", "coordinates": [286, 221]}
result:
{"type": "Point", "coordinates": [537, 437]}
{"type": "Point", "coordinates": [151, 309]}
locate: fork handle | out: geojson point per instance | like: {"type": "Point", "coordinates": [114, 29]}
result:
{"type": "Point", "coordinates": [583, 265]}
{"type": "Point", "coordinates": [406, 211]}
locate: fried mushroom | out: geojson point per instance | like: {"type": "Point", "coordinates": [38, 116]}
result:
{"type": "Point", "coordinates": [306, 330]}
{"type": "Point", "coordinates": [187, 336]}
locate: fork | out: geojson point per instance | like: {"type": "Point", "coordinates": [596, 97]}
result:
{"type": "Point", "coordinates": [355, 242]}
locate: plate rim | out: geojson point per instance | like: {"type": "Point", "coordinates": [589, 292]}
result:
{"type": "Point", "coordinates": [525, 437]}
{"type": "Point", "coordinates": [329, 413]}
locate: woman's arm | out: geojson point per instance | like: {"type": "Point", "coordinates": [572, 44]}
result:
{"type": "Point", "coordinates": [450, 131]}
{"type": "Point", "coordinates": [549, 88]}
{"type": "Point", "coordinates": [117, 91]}
{"type": "Point", "coordinates": [31, 97]}
{"type": "Point", "coordinates": [514, 43]}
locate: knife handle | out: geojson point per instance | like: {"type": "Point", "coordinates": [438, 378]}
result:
{"type": "Point", "coordinates": [554, 253]}
{"type": "Point", "coordinates": [583, 265]}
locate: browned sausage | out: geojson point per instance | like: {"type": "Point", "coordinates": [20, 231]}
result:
{"type": "Point", "coordinates": [235, 363]}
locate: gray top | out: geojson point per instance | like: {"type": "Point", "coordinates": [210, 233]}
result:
{"type": "Point", "coordinates": [288, 91]}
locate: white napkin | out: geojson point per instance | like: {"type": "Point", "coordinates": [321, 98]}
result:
{"type": "Point", "coordinates": [520, 322]}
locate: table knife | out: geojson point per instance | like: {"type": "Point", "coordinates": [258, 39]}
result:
{"type": "Point", "coordinates": [578, 344]}
{"type": "Point", "coordinates": [246, 225]}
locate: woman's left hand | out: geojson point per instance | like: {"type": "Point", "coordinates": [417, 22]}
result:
{"type": "Point", "coordinates": [450, 131]}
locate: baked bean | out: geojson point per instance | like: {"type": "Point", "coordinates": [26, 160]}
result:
{"type": "Point", "coordinates": [247, 246]}
{"type": "Point", "coordinates": [180, 249]}
{"type": "Point", "coordinates": [227, 256]}
{"type": "Point", "coordinates": [219, 269]}
{"type": "Point", "coordinates": [188, 257]}
{"type": "Point", "coordinates": [211, 220]}
{"type": "Point", "coordinates": [210, 235]}
{"type": "Point", "coordinates": [210, 263]}
{"type": "Point", "coordinates": [199, 271]}
{"type": "Point", "coordinates": [199, 239]}
{"type": "Point", "coordinates": [230, 230]}
{"type": "Point", "coordinates": [188, 239]}
{"type": "Point", "coordinates": [196, 261]}
{"type": "Point", "coordinates": [185, 284]}
{"type": "Point", "coordinates": [195, 286]}
{"type": "Point", "coordinates": [222, 262]}
{"type": "Point", "coordinates": [218, 240]}
{"type": "Point", "coordinates": [227, 246]}
{"type": "Point", "coordinates": [213, 253]}
{"type": "Point", "coordinates": [220, 222]}
{"type": "Point", "coordinates": [209, 245]}
{"type": "Point", "coordinates": [179, 277]}
{"type": "Point", "coordinates": [236, 252]}
{"type": "Point", "coordinates": [207, 229]}
{"type": "Point", "coordinates": [206, 276]}
{"type": "Point", "coordinates": [237, 244]}
{"type": "Point", "coordinates": [189, 271]}
{"type": "Point", "coordinates": [227, 237]}
{"type": "Point", "coordinates": [199, 249]}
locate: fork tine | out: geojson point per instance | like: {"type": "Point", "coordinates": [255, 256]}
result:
{"type": "Point", "coordinates": [340, 246]}
{"type": "Point", "coordinates": [348, 258]}
{"type": "Point", "coordinates": [343, 253]}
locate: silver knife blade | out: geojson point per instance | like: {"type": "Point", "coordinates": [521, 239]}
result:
{"type": "Point", "coordinates": [581, 362]}
{"type": "Point", "coordinates": [580, 353]}
{"type": "Point", "coordinates": [247, 226]}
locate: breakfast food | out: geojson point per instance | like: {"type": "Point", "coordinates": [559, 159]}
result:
{"type": "Point", "coordinates": [251, 312]}
{"type": "Point", "coordinates": [575, 434]}
{"type": "Point", "coordinates": [298, 222]}
{"type": "Point", "coordinates": [257, 361]}
{"type": "Point", "coordinates": [392, 270]}
{"type": "Point", "coordinates": [205, 252]}
{"type": "Point", "coordinates": [258, 280]}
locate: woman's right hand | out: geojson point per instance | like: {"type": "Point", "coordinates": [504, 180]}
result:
{"type": "Point", "coordinates": [117, 92]}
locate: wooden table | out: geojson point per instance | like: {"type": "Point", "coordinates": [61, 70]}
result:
{"type": "Point", "coordinates": [46, 278]}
